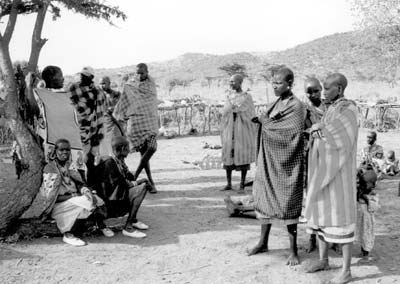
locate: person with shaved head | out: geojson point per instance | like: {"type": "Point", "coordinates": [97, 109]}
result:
{"type": "Point", "coordinates": [120, 190]}
{"type": "Point", "coordinates": [237, 132]}
{"type": "Point", "coordinates": [278, 184]}
{"type": "Point", "coordinates": [331, 197]}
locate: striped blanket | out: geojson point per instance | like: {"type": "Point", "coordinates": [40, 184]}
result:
{"type": "Point", "coordinates": [331, 199]}
{"type": "Point", "coordinates": [238, 134]}
{"type": "Point", "coordinates": [278, 184]}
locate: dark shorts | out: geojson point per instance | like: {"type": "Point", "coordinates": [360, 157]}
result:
{"type": "Point", "coordinates": [149, 143]}
{"type": "Point", "coordinates": [237, 168]}
{"type": "Point", "coordinates": [118, 208]}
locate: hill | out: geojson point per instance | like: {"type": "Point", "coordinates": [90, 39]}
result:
{"type": "Point", "coordinates": [357, 54]}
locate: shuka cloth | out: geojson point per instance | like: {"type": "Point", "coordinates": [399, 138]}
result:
{"type": "Point", "coordinates": [237, 130]}
{"type": "Point", "coordinates": [331, 196]}
{"type": "Point", "coordinates": [138, 105]}
{"type": "Point", "coordinates": [278, 185]}
{"type": "Point", "coordinates": [89, 103]}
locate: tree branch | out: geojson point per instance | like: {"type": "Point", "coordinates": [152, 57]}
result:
{"type": "Point", "coordinates": [37, 41]}
{"type": "Point", "coordinates": [12, 19]}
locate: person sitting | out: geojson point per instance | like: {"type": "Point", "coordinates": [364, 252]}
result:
{"type": "Point", "coordinates": [390, 166]}
{"type": "Point", "coordinates": [68, 200]}
{"type": "Point", "coordinates": [116, 185]}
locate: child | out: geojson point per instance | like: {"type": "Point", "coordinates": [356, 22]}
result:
{"type": "Point", "coordinates": [367, 204]}
{"type": "Point", "coordinates": [391, 164]}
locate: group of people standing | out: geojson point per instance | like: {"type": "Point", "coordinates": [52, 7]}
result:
{"type": "Point", "coordinates": [111, 124]}
{"type": "Point", "coordinates": [287, 138]}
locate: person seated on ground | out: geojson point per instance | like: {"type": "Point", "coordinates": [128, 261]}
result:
{"type": "Point", "coordinates": [390, 166]}
{"type": "Point", "coordinates": [367, 203]}
{"type": "Point", "coordinates": [68, 200]}
{"type": "Point", "coordinates": [372, 151]}
{"type": "Point", "coordinates": [116, 185]}
{"type": "Point", "coordinates": [240, 206]}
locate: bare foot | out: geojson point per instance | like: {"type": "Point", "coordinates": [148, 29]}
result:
{"type": "Point", "coordinates": [257, 249]}
{"type": "Point", "coordinates": [228, 187]}
{"type": "Point", "coordinates": [343, 278]}
{"type": "Point", "coordinates": [318, 266]}
{"type": "Point", "coordinates": [293, 260]}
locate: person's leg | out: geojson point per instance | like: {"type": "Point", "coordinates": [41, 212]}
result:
{"type": "Point", "coordinates": [345, 274]}
{"type": "Point", "coordinates": [146, 152]}
{"type": "Point", "coordinates": [323, 262]}
{"type": "Point", "coordinates": [312, 243]}
{"type": "Point", "coordinates": [243, 179]}
{"type": "Point", "coordinates": [262, 245]}
{"type": "Point", "coordinates": [228, 171]}
{"type": "Point", "coordinates": [293, 257]}
{"type": "Point", "coordinates": [136, 197]}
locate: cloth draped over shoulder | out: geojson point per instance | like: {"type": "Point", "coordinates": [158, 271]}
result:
{"type": "Point", "coordinates": [278, 185]}
{"type": "Point", "coordinates": [113, 179]}
{"type": "Point", "coordinates": [238, 133]}
{"type": "Point", "coordinates": [138, 105]}
{"type": "Point", "coordinates": [52, 185]}
{"type": "Point", "coordinates": [331, 198]}
{"type": "Point", "coordinates": [89, 103]}
{"type": "Point", "coordinates": [315, 113]}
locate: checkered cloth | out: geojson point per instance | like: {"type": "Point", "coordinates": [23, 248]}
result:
{"type": "Point", "coordinates": [138, 105]}
{"type": "Point", "coordinates": [278, 184]}
{"type": "Point", "coordinates": [89, 104]}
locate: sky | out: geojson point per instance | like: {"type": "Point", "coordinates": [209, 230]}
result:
{"type": "Point", "coordinates": [158, 30]}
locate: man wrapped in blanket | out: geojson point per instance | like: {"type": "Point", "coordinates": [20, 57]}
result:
{"type": "Point", "coordinates": [278, 184]}
{"type": "Point", "coordinates": [331, 198]}
{"type": "Point", "coordinates": [138, 105]}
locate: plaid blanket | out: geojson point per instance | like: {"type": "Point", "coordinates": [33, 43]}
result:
{"type": "Point", "coordinates": [278, 184]}
{"type": "Point", "coordinates": [89, 103]}
{"type": "Point", "coordinates": [238, 134]}
{"type": "Point", "coordinates": [138, 105]}
{"type": "Point", "coordinates": [331, 198]}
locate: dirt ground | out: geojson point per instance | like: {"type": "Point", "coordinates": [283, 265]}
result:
{"type": "Point", "coordinates": [192, 240]}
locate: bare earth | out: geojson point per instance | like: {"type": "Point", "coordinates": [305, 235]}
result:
{"type": "Point", "coordinates": [191, 239]}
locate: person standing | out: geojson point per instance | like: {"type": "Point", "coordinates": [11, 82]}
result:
{"type": "Point", "coordinates": [278, 184]}
{"type": "Point", "coordinates": [237, 132]}
{"type": "Point", "coordinates": [138, 105]}
{"type": "Point", "coordinates": [112, 127]}
{"type": "Point", "coordinates": [331, 198]}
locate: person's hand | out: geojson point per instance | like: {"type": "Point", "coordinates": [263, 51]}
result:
{"type": "Point", "coordinates": [255, 120]}
{"type": "Point", "coordinates": [316, 130]}
{"type": "Point", "coordinates": [88, 194]}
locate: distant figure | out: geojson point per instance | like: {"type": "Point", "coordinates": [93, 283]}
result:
{"type": "Point", "coordinates": [112, 127]}
{"type": "Point", "coordinates": [89, 103]}
{"type": "Point", "coordinates": [372, 150]}
{"type": "Point", "coordinates": [237, 132]}
{"type": "Point", "coordinates": [138, 105]}
{"type": "Point", "coordinates": [278, 184]}
{"type": "Point", "coordinates": [68, 199]}
{"type": "Point", "coordinates": [390, 166]}
{"type": "Point", "coordinates": [118, 188]}
{"type": "Point", "coordinates": [17, 158]}
{"type": "Point", "coordinates": [331, 197]}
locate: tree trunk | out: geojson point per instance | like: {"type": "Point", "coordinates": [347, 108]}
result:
{"type": "Point", "coordinates": [14, 200]}
{"type": "Point", "coordinates": [37, 41]}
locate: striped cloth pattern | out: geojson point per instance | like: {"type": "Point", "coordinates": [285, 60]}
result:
{"type": "Point", "coordinates": [278, 184]}
{"type": "Point", "coordinates": [331, 196]}
{"type": "Point", "coordinates": [238, 134]}
{"type": "Point", "coordinates": [138, 105]}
